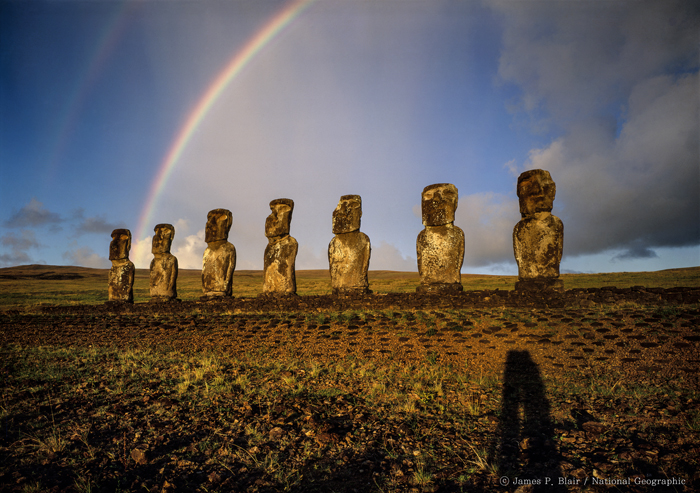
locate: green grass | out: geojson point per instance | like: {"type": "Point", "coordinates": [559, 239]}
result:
{"type": "Point", "coordinates": [28, 286]}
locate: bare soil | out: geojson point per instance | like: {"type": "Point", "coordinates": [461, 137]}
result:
{"type": "Point", "coordinates": [582, 387]}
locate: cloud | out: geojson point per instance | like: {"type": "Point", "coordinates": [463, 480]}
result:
{"type": "Point", "coordinates": [26, 240]}
{"type": "Point", "coordinates": [140, 253]}
{"type": "Point", "coordinates": [636, 251]}
{"type": "Point", "coordinates": [86, 257]}
{"type": "Point", "coordinates": [640, 189]}
{"type": "Point", "coordinates": [190, 250]}
{"type": "Point", "coordinates": [619, 105]}
{"type": "Point", "coordinates": [487, 220]}
{"type": "Point", "coordinates": [19, 245]}
{"type": "Point", "coordinates": [32, 215]}
{"type": "Point", "coordinates": [15, 258]}
{"type": "Point", "coordinates": [387, 257]}
{"type": "Point", "coordinates": [624, 105]}
{"type": "Point", "coordinates": [95, 224]}
{"type": "Point", "coordinates": [573, 58]}
{"type": "Point", "coordinates": [308, 258]}
{"type": "Point", "coordinates": [512, 167]}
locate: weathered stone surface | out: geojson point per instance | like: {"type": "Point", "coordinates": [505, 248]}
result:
{"type": "Point", "coordinates": [279, 275]}
{"type": "Point", "coordinates": [538, 238]}
{"type": "Point", "coordinates": [347, 214]}
{"type": "Point", "coordinates": [440, 246]}
{"type": "Point", "coordinates": [349, 251]}
{"type": "Point", "coordinates": [163, 279]}
{"type": "Point", "coordinates": [121, 275]}
{"type": "Point", "coordinates": [219, 260]}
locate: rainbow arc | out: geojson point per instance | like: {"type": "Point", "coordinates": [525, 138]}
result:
{"type": "Point", "coordinates": [240, 60]}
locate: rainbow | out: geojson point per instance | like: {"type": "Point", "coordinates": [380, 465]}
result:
{"type": "Point", "coordinates": [252, 47]}
{"type": "Point", "coordinates": [103, 48]}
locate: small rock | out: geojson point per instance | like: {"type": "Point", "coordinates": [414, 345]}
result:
{"type": "Point", "coordinates": [139, 456]}
{"type": "Point", "coordinates": [323, 438]}
{"type": "Point", "coordinates": [594, 427]}
{"type": "Point", "coordinates": [276, 433]}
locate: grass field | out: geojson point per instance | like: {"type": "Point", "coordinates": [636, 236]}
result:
{"type": "Point", "coordinates": [31, 285]}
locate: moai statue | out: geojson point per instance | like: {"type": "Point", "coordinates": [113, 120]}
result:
{"type": "Point", "coordinates": [349, 250]}
{"type": "Point", "coordinates": [121, 275]}
{"type": "Point", "coordinates": [440, 246]}
{"type": "Point", "coordinates": [220, 256]}
{"type": "Point", "coordinates": [164, 265]}
{"type": "Point", "coordinates": [279, 277]}
{"type": "Point", "coordinates": [538, 238]}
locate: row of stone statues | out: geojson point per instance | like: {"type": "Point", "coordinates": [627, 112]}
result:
{"type": "Point", "coordinates": [537, 244]}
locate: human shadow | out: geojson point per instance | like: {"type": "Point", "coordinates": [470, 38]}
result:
{"type": "Point", "coordinates": [523, 447]}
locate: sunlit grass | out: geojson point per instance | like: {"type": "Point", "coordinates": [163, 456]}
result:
{"type": "Point", "coordinates": [27, 290]}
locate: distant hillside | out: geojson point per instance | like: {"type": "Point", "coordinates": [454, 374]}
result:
{"type": "Point", "coordinates": [50, 272]}
{"type": "Point", "coordinates": [58, 272]}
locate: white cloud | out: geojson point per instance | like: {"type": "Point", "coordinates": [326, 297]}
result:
{"type": "Point", "coordinates": [387, 257]}
{"type": "Point", "coordinates": [487, 220]}
{"type": "Point", "coordinates": [140, 253]}
{"type": "Point", "coordinates": [14, 258]}
{"type": "Point", "coordinates": [309, 258]}
{"type": "Point", "coordinates": [190, 250]}
{"type": "Point", "coordinates": [26, 240]}
{"type": "Point", "coordinates": [33, 214]}
{"type": "Point", "coordinates": [86, 257]}
{"type": "Point", "coordinates": [19, 246]}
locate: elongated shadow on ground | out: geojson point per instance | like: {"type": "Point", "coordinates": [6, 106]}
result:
{"type": "Point", "coordinates": [524, 447]}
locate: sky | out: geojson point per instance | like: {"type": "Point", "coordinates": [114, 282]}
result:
{"type": "Point", "coordinates": [130, 113]}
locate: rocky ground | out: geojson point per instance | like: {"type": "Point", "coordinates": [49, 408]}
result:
{"type": "Point", "coordinates": [596, 390]}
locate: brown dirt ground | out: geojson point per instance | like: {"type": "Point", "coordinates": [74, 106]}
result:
{"type": "Point", "coordinates": [577, 333]}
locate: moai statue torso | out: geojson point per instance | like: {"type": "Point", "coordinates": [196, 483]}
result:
{"type": "Point", "coordinates": [279, 277]}
{"type": "Point", "coordinates": [440, 246]}
{"type": "Point", "coordinates": [349, 250]}
{"type": "Point", "coordinates": [538, 238]}
{"type": "Point", "coordinates": [121, 275]}
{"type": "Point", "coordinates": [220, 256]}
{"type": "Point", "coordinates": [163, 279]}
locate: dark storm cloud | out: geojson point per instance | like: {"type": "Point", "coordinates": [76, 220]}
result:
{"type": "Point", "coordinates": [636, 251]}
{"type": "Point", "coordinates": [618, 82]}
{"type": "Point", "coordinates": [32, 215]}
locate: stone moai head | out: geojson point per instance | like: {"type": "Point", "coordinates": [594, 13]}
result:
{"type": "Point", "coordinates": [439, 203]}
{"type": "Point", "coordinates": [163, 238]}
{"type": "Point", "coordinates": [120, 245]}
{"type": "Point", "coordinates": [536, 191]}
{"type": "Point", "coordinates": [279, 220]}
{"type": "Point", "coordinates": [219, 223]}
{"type": "Point", "coordinates": [346, 216]}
